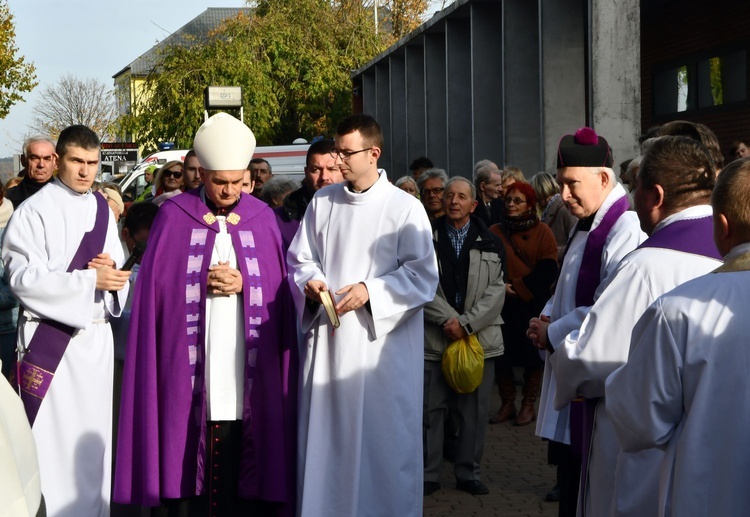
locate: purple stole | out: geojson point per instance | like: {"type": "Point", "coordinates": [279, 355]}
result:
{"type": "Point", "coordinates": [589, 278]}
{"type": "Point", "coordinates": [694, 236]}
{"type": "Point", "coordinates": [51, 339]}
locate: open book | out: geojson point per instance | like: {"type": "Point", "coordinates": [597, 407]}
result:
{"type": "Point", "coordinates": [327, 299]}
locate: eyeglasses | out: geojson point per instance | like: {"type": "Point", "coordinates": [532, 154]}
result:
{"type": "Point", "coordinates": [427, 191]}
{"type": "Point", "coordinates": [515, 200]}
{"type": "Point", "coordinates": [175, 174]}
{"type": "Point", "coordinates": [345, 155]}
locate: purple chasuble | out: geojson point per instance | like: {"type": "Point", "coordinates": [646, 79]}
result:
{"type": "Point", "coordinates": [161, 449]}
{"type": "Point", "coordinates": [51, 338]}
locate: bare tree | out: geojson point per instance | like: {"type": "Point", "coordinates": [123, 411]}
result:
{"type": "Point", "coordinates": [75, 101]}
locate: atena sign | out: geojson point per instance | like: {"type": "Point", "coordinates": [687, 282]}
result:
{"type": "Point", "coordinates": [119, 152]}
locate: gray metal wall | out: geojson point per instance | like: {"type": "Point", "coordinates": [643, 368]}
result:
{"type": "Point", "coordinates": [496, 79]}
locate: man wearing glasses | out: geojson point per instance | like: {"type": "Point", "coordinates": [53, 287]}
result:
{"type": "Point", "coordinates": [369, 244]}
{"type": "Point", "coordinates": [39, 161]}
{"type": "Point", "coordinates": [431, 186]}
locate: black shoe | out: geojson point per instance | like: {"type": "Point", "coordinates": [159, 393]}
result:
{"type": "Point", "coordinates": [430, 487]}
{"type": "Point", "coordinates": [474, 487]}
{"type": "Point", "coordinates": [553, 495]}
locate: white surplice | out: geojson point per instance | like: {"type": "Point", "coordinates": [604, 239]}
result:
{"type": "Point", "coordinates": [360, 417]}
{"type": "Point", "coordinates": [621, 483]}
{"type": "Point", "coordinates": [685, 389]}
{"type": "Point", "coordinates": [73, 429]}
{"type": "Point", "coordinates": [565, 317]}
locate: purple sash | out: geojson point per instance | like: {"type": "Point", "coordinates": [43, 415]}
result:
{"type": "Point", "coordinates": [589, 274]}
{"type": "Point", "coordinates": [693, 236]}
{"type": "Point", "coordinates": [589, 277]}
{"type": "Point", "coordinates": [48, 344]}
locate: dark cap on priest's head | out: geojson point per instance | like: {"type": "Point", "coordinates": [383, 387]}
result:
{"type": "Point", "coordinates": [584, 149]}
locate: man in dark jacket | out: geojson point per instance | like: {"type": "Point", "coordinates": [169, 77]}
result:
{"type": "Point", "coordinates": [469, 300]}
{"type": "Point", "coordinates": [39, 161]}
{"type": "Point", "coordinates": [320, 171]}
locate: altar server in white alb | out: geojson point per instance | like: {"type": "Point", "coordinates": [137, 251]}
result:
{"type": "Point", "coordinates": [605, 233]}
{"type": "Point", "coordinates": [673, 189]}
{"type": "Point", "coordinates": [61, 252]}
{"type": "Point", "coordinates": [685, 388]}
{"type": "Point", "coordinates": [360, 421]}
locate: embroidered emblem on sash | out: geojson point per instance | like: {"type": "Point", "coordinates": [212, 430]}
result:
{"type": "Point", "coordinates": [209, 218]}
{"type": "Point", "coordinates": [35, 381]}
{"type": "Point", "coordinates": [233, 218]}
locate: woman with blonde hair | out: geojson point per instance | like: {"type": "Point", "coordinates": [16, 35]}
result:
{"type": "Point", "coordinates": [168, 182]}
{"type": "Point", "coordinates": [554, 213]}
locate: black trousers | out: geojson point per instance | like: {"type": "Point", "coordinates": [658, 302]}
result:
{"type": "Point", "coordinates": [223, 441]}
{"type": "Point", "coordinates": [568, 476]}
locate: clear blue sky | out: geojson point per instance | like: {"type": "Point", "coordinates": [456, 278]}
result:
{"type": "Point", "coordinates": [88, 38]}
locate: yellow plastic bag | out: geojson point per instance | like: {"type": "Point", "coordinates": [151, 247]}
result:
{"type": "Point", "coordinates": [463, 364]}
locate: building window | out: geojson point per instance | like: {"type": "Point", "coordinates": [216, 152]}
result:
{"type": "Point", "coordinates": [699, 83]}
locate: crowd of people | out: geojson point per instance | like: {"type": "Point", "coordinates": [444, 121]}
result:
{"type": "Point", "coordinates": [277, 349]}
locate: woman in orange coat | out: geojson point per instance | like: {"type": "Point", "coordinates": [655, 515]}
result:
{"type": "Point", "coordinates": [531, 256]}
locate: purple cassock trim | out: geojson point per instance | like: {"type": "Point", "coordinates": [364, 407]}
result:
{"type": "Point", "coordinates": [589, 277]}
{"type": "Point", "coordinates": [693, 236]}
{"type": "Point", "coordinates": [193, 294]}
{"type": "Point", "coordinates": [589, 274]}
{"type": "Point", "coordinates": [51, 338]}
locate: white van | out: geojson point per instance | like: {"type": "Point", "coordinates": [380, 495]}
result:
{"type": "Point", "coordinates": [161, 157]}
{"type": "Point", "coordinates": [285, 160]}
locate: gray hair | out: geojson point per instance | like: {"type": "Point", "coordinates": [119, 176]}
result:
{"type": "Point", "coordinates": [457, 179]}
{"type": "Point", "coordinates": [405, 179]}
{"type": "Point", "coordinates": [277, 186]}
{"type": "Point", "coordinates": [430, 174]}
{"type": "Point", "coordinates": [483, 172]}
{"type": "Point", "coordinates": [34, 139]}
{"type": "Point", "coordinates": [483, 165]}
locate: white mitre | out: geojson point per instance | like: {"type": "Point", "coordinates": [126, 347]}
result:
{"type": "Point", "coordinates": [223, 143]}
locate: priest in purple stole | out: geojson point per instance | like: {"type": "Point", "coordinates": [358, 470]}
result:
{"type": "Point", "coordinates": [605, 233]}
{"type": "Point", "coordinates": [209, 393]}
{"type": "Point", "coordinates": [674, 187]}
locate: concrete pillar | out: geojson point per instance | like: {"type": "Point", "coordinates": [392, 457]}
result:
{"type": "Point", "coordinates": [562, 37]}
{"type": "Point", "coordinates": [616, 75]}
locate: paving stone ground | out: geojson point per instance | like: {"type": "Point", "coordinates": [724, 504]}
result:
{"type": "Point", "coordinates": [515, 470]}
